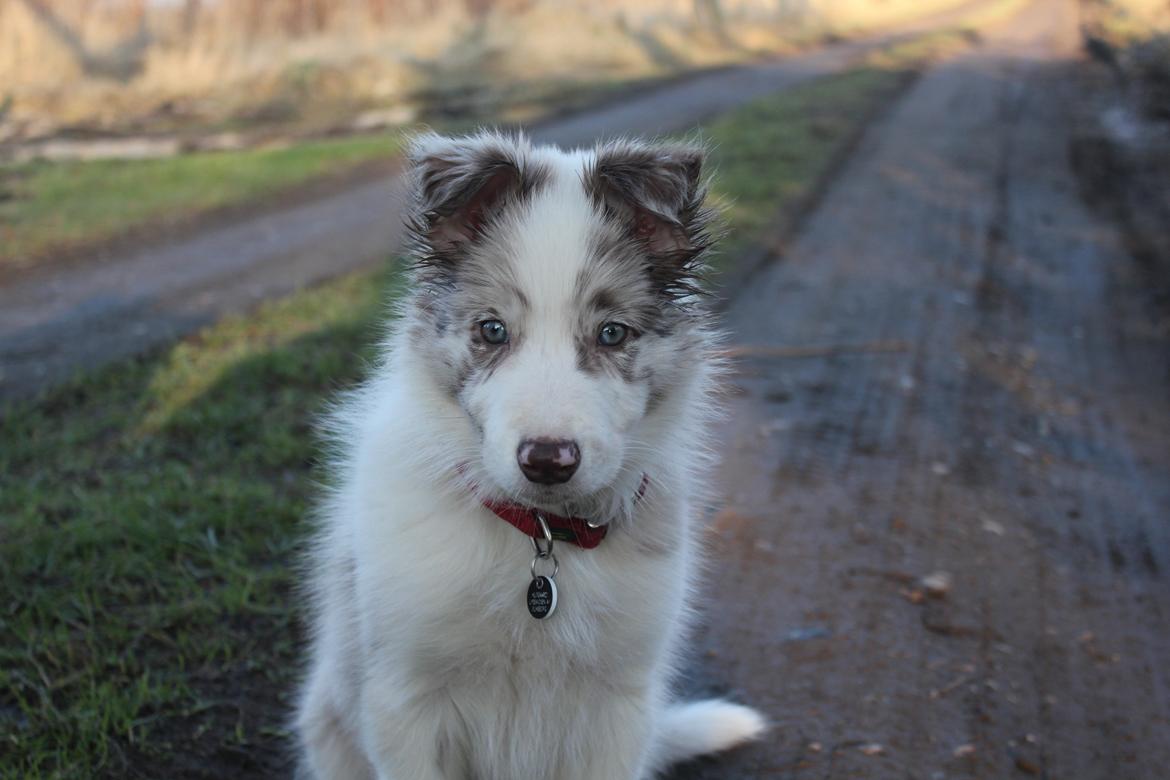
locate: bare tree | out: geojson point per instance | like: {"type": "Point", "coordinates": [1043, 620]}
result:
{"type": "Point", "coordinates": [709, 15]}
{"type": "Point", "coordinates": [253, 17]}
{"type": "Point", "coordinates": [191, 10]}
{"type": "Point", "coordinates": [135, 14]}
{"type": "Point", "coordinates": [121, 62]}
{"type": "Point", "coordinates": [60, 31]}
{"type": "Point", "coordinates": [378, 11]}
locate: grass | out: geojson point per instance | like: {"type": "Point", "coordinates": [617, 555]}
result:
{"type": "Point", "coordinates": [149, 512]}
{"type": "Point", "coordinates": [50, 207]}
{"type": "Point", "coordinates": [47, 207]}
{"type": "Point", "coordinates": [53, 208]}
{"type": "Point", "coordinates": [768, 152]}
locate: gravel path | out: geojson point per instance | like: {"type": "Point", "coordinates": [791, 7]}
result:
{"type": "Point", "coordinates": [60, 319]}
{"type": "Point", "coordinates": [955, 371]}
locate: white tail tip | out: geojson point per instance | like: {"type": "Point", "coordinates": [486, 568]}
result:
{"type": "Point", "coordinates": [701, 727]}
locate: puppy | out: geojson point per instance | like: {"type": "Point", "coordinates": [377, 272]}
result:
{"type": "Point", "coordinates": [505, 560]}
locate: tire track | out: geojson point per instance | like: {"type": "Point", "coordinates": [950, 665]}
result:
{"type": "Point", "coordinates": [1019, 445]}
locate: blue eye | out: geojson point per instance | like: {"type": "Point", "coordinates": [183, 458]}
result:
{"type": "Point", "coordinates": [493, 331]}
{"type": "Point", "coordinates": [612, 334]}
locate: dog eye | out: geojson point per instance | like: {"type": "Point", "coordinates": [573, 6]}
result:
{"type": "Point", "coordinates": [612, 334]}
{"type": "Point", "coordinates": [493, 331]}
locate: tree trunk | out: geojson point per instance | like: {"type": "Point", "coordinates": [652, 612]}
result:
{"type": "Point", "coordinates": [709, 15]}
{"type": "Point", "coordinates": [60, 32]}
{"type": "Point", "coordinates": [191, 9]}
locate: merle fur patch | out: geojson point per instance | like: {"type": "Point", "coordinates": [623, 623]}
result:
{"type": "Point", "coordinates": [462, 186]}
{"type": "Point", "coordinates": [656, 195]}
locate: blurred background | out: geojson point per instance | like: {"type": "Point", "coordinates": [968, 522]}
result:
{"type": "Point", "coordinates": [335, 65]}
{"type": "Point", "coordinates": [943, 536]}
{"type": "Point", "coordinates": [121, 80]}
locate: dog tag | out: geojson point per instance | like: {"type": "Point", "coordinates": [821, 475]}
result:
{"type": "Point", "coordinates": [542, 597]}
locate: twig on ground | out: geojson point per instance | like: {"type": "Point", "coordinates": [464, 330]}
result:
{"type": "Point", "coordinates": [961, 680]}
{"type": "Point", "coordinates": [815, 351]}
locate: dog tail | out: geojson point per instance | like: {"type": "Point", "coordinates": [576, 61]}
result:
{"type": "Point", "coordinates": [697, 728]}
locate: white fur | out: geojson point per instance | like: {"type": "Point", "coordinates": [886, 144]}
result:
{"type": "Point", "coordinates": [425, 661]}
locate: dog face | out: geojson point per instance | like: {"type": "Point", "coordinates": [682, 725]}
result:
{"type": "Point", "coordinates": [555, 302]}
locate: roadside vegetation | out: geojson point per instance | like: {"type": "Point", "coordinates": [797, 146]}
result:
{"type": "Point", "coordinates": [150, 513]}
{"type": "Point", "coordinates": [291, 90]}
{"type": "Point", "coordinates": [54, 207]}
{"type": "Point", "coordinates": [1132, 38]}
{"type": "Point", "coordinates": [769, 154]}
{"type": "Point", "coordinates": [1121, 148]}
{"type": "Point", "coordinates": [184, 66]}
{"type": "Point", "coordinates": [50, 208]}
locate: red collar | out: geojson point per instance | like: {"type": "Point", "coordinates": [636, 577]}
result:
{"type": "Point", "coordinates": [573, 530]}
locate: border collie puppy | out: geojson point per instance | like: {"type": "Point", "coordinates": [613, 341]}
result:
{"type": "Point", "coordinates": [504, 564]}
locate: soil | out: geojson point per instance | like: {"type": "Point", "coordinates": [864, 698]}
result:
{"type": "Point", "coordinates": [945, 548]}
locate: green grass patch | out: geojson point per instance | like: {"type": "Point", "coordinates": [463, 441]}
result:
{"type": "Point", "coordinates": [150, 512]}
{"type": "Point", "coordinates": [149, 515]}
{"type": "Point", "coordinates": [47, 207]}
{"type": "Point", "coordinates": [767, 153]}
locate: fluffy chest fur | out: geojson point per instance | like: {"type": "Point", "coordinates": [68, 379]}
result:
{"type": "Point", "coordinates": [440, 562]}
{"type": "Point", "coordinates": [432, 597]}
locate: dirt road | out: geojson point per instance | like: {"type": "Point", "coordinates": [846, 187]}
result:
{"type": "Point", "coordinates": [59, 319]}
{"type": "Point", "coordinates": [955, 371]}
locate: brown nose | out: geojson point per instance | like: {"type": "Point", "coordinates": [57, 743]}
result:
{"type": "Point", "coordinates": [548, 461]}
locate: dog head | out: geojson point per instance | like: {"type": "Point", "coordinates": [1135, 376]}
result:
{"type": "Point", "coordinates": [556, 304]}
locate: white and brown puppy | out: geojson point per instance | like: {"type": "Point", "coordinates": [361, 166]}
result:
{"type": "Point", "coordinates": [550, 375]}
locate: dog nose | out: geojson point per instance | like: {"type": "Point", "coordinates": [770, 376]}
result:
{"type": "Point", "coordinates": [548, 461]}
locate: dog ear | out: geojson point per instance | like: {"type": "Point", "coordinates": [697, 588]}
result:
{"type": "Point", "coordinates": [657, 192]}
{"type": "Point", "coordinates": [461, 184]}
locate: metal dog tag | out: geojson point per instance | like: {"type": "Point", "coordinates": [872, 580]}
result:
{"type": "Point", "coordinates": [542, 597]}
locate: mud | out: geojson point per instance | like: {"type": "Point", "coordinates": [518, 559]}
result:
{"type": "Point", "coordinates": [950, 559]}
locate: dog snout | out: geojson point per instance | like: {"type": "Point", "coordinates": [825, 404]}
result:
{"type": "Point", "coordinates": [548, 461]}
